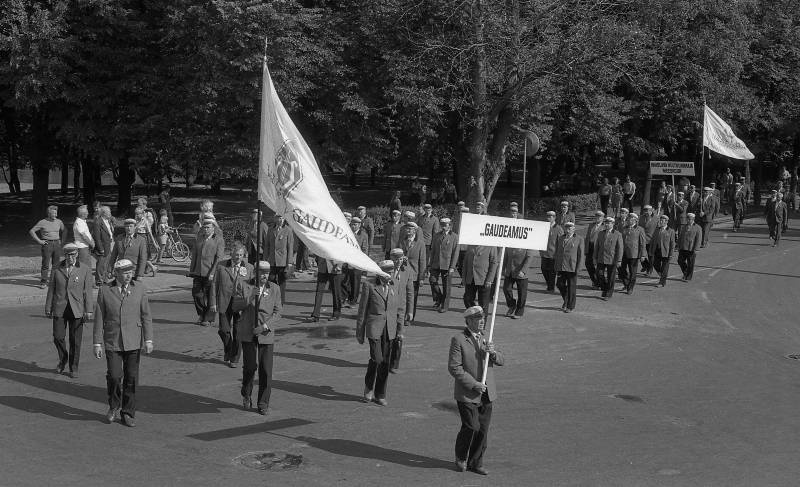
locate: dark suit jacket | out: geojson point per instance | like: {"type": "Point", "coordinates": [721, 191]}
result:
{"type": "Point", "coordinates": [122, 323]}
{"type": "Point", "coordinates": [227, 284]}
{"type": "Point", "coordinates": [377, 312]}
{"type": "Point", "coordinates": [391, 235]}
{"type": "Point", "coordinates": [569, 254]}
{"type": "Point", "coordinates": [136, 252]}
{"type": "Point", "coordinates": [691, 238]}
{"type": "Point", "coordinates": [649, 223]}
{"type": "Point", "coordinates": [430, 227]}
{"type": "Point", "coordinates": [664, 241]}
{"type": "Point", "coordinates": [404, 286]}
{"type": "Point", "coordinates": [103, 239]}
{"type": "Point", "coordinates": [362, 239]}
{"type": "Point", "coordinates": [269, 312]}
{"type": "Point", "coordinates": [325, 266]}
{"type": "Point", "coordinates": [444, 251]}
{"type": "Point", "coordinates": [608, 249]}
{"type": "Point", "coordinates": [75, 289]}
{"type": "Point", "coordinates": [250, 240]}
{"type": "Point", "coordinates": [206, 254]}
{"type": "Point", "coordinates": [634, 243]}
{"type": "Point", "coordinates": [739, 201]}
{"type": "Point", "coordinates": [590, 240]}
{"type": "Point", "coordinates": [710, 207]}
{"type": "Point", "coordinates": [480, 265]}
{"type": "Point", "coordinates": [516, 261]}
{"type": "Point", "coordinates": [465, 364]}
{"type": "Point", "coordinates": [280, 246]}
{"type": "Point", "coordinates": [562, 218]}
{"type": "Point", "coordinates": [417, 260]}
{"type": "Point", "coordinates": [555, 233]}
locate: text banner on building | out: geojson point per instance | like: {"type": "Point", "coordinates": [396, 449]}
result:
{"type": "Point", "coordinates": [496, 231]}
{"type": "Point", "coordinates": [671, 168]}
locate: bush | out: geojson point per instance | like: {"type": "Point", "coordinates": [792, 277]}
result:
{"type": "Point", "coordinates": [234, 229]}
{"type": "Point", "coordinates": [538, 207]}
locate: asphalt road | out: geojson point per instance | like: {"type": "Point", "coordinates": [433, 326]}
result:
{"type": "Point", "coordinates": [685, 385]}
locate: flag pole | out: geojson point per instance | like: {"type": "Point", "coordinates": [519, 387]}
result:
{"type": "Point", "coordinates": [702, 144]}
{"type": "Point", "coordinates": [258, 201]}
{"type": "Point", "coordinates": [494, 311]}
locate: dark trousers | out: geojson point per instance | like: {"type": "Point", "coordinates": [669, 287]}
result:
{"type": "Point", "coordinates": [227, 333]}
{"type": "Point", "coordinates": [101, 266]}
{"type": "Point", "coordinates": [441, 296]}
{"type": "Point", "coordinates": [631, 266]}
{"type": "Point", "coordinates": [201, 292]}
{"type": "Point", "coordinates": [737, 217]}
{"type": "Point", "coordinates": [706, 228]}
{"type": "Point", "coordinates": [686, 263]}
{"type": "Point", "coordinates": [396, 352]}
{"type": "Point", "coordinates": [278, 276]}
{"type": "Point", "coordinates": [121, 378]}
{"type": "Point", "coordinates": [51, 256]}
{"type": "Point", "coordinates": [85, 256]}
{"type": "Point", "coordinates": [568, 286]}
{"type": "Point", "coordinates": [257, 357]}
{"type": "Point", "coordinates": [474, 434]}
{"type": "Point", "coordinates": [661, 265]}
{"type": "Point", "coordinates": [604, 199]}
{"type": "Point", "coordinates": [591, 269]}
{"type": "Point", "coordinates": [334, 283]}
{"type": "Point", "coordinates": [606, 274]}
{"type": "Point", "coordinates": [549, 272]}
{"type": "Point", "coordinates": [301, 259]}
{"type": "Point", "coordinates": [353, 279]}
{"type": "Point", "coordinates": [378, 366]}
{"type": "Point", "coordinates": [416, 295]}
{"type": "Point", "coordinates": [483, 294]}
{"type": "Point", "coordinates": [627, 202]}
{"type": "Point", "coordinates": [516, 306]}
{"type": "Point", "coordinates": [71, 355]}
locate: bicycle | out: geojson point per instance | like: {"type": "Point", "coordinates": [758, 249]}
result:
{"type": "Point", "coordinates": [175, 248]}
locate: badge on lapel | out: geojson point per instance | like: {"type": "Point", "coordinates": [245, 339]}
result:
{"type": "Point", "coordinates": [243, 271]}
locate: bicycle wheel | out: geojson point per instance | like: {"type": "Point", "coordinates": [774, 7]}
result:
{"type": "Point", "coordinates": [180, 251]}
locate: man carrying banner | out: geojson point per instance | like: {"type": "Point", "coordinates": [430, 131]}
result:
{"type": "Point", "coordinates": [377, 323]}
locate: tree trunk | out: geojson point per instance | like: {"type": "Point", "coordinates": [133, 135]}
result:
{"type": "Point", "coordinates": [124, 183]}
{"type": "Point", "coordinates": [64, 175]}
{"type": "Point", "coordinates": [89, 191]}
{"type": "Point", "coordinates": [10, 121]}
{"type": "Point", "coordinates": [76, 180]}
{"type": "Point", "coordinates": [41, 168]}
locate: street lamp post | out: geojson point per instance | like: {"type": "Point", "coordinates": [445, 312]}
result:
{"type": "Point", "coordinates": [532, 141]}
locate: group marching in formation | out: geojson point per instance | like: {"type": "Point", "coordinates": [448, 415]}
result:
{"type": "Point", "coordinates": [244, 293]}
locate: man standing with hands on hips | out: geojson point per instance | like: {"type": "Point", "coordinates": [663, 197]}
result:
{"type": "Point", "coordinates": [69, 295]}
{"type": "Point", "coordinates": [122, 326]}
{"type": "Point", "coordinates": [474, 396]}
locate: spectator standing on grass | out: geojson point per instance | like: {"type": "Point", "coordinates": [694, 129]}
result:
{"type": "Point", "coordinates": [50, 233]}
{"type": "Point", "coordinates": [616, 197]}
{"type": "Point", "coordinates": [604, 193]}
{"type": "Point", "coordinates": [394, 203]}
{"type": "Point", "coordinates": [166, 203]}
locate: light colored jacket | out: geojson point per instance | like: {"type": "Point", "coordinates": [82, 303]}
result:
{"type": "Point", "coordinates": [122, 321]}
{"type": "Point", "coordinates": [465, 364]}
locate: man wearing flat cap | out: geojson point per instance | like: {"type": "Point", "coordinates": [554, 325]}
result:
{"type": "Point", "coordinates": [208, 251]}
{"type": "Point", "coordinates": [569, 252]}
{"type": "Point", "coordinates": [368, 224]}
{"type": "Point", "coordinates": [589, 242]}
{"type": "Point", "coordinates": [777, 217]}
{"type": "Point", "coordinates": [548, 255]}
{"type": "Point", "coordinates": [122, 329]}
{"type": "Point", "coordinates": [280, 252]}
{"type": "Point", "coordinates": [474, 396]}
{"type": "Point", "coordinates": [429, 225]}
{"type": "Point", "coordinates": [738, 203]}
{"type": "Point", "coordinates": [709, 208]}
{"type": "Point", "coordinates": [391, 233]}
{"type": "Point", "coordinates": [130, 247]}
{"type": "Point", "coordinates": [479, 272]}
{"type": "Point", "coordinates": [401, 279]}
{"type": "Point", "coordinates": [648, 222]}
{"type": "Point", "coordinates": [69, 296]}
{"type": "Point", "coordinates": [661, 248]}
{"type": "Point", "coordinates": [414, 250]}
{"type": "Point", "coordinates": [621, 221]}
{"type": "Point", "coordinates": [351, 288]}
{"type": "Point", "coordinates": [229, 299]}
{"type": "Point", "coordinates": [634, 250]}
{"type": "Point", "coordinates": [688, 244]}
{"type": "Point", "coordinates": [513, 210]}
{"type": "Point", "coordinates": [377, 323]}
{"type": "Point", "coordinates": [442, 263]}
{"type": "Point", "coordinates": [677, 214]}
{"type": "Point", "coordinates": [564, 215]}
{"type": "Point", "coordinates": [608, 257]}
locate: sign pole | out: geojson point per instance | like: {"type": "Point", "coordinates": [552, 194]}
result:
{"type": "Point", "coordinates": [524, 171]}
{"type": "Point", "coordinates": [494, 310]}
{"type": "Point", "coordinates": [674, 195]}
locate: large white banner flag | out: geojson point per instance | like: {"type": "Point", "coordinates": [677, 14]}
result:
{"type": "Point", "coordinates": [290, 183]}
{"type": "Point", "coordinates": [718, 136]}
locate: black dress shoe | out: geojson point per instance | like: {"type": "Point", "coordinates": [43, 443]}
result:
{"type": "Point", "coordinates": [127, 420]}
{"type": "Point", "coordinates": [60, 368]}
{"type": "Point", "coordinates": [312, 319]}
{"type": "Point", "coordinates": [262, 411]}
{"type": "Point", "coordinates": [334, 318]}
{"type": "Point", "coordinates": [73, 374]}
{"type": "Point", "coordinates": [479, 470]}
{"type": "Point", "coordinates": [111, 415]}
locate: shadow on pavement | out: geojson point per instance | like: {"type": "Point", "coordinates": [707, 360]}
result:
{"type": "Point", "coordinates": [320, 331]}
{"type": "Point", "coordinates": [317, 392]}
{"type": "Point", "coordinates": [43, 406]}
{"type": "Point", "coordinates": [150, 399]}
{"type": "Point", "coordinates": [250, 429]}
{"type": "Point", "coordinates": [425, 324]}
{"type": "Point", "coordinates": [358, 449]}
{"type": "Point", "coordinates": [320, 359]}
{"type": "Point", "coordinates": [162, 321]}
{"type": "Point", "coordinates": [182, 357]}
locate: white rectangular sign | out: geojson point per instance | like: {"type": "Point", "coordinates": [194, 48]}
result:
{"type": "Point", "coordinates": [671, 168]}
{"type": "Point", "coordinates": [496, 231]}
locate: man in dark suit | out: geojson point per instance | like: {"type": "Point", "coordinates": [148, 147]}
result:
{"type": "Point", "coordinates": [634, 250]}
{"type": "Point", "coordinates": [648, 222]}
{"type": "Point", "coordinates": [207, 253]}
{"type": "Point", "coordinates": [103, 234]}
{"type": "Point", "coordinates": [737, 206]}
{"type": "Point", "coordinates": [280, 248]}
{"type": "Point", "coordinates": [564, 215]}
{"type": "Point", "coordinates": [608, 257]}
{"type": "Point", "coordinates": [547, 256]}
{"type": "Point", "coordinates": [515, 273]}
{"type": "Point", "coordinates": [442, 263]}
{"type": "Point", "coordinates": [678, 214]}
{"type": "Point", "coordinates": [391, 233]}
{"type": "Point", "coordinates": [777, 219]}
{"type": "Point", "coordinates": [329, 272]}
{"type": "Point", "coordinates": [131, 248]}
{"type": "Point", "coordinates": [256, 332]}
{"type": "Point", "coordinates": [661, 248]}
{"type": "Point", "coordinates": [368, 225]}
{"type": "Point", "coordinates": [69, 295]}
{"type": "Point", "coordinates": [123, 328]}
{"type": "Point", "coordinates": [473, 392]}
{"type": "Point", "coordinates": [569, 252]}
{"type": "Point", "coordinates": [689, 242]}
{"type": "Point", "coordinates": [414, 250]}
{"type": "Point", "coordinates": [480, 270]}
{"type": "Point", "coordinates": [251, 240]}
{"type": "Point", "coordinates": [709, 208]}
{"type": "Point", "coordinates": [229, 299]}
{"type": "Point", "coordinates": [589, 242]}
{"type": "Point", "coordinates": [352, 276]}
{"type": "Point", "coordinates": [401, 278]}
{"type": "Point", "coordinates": [377, 322]}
